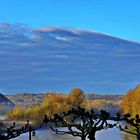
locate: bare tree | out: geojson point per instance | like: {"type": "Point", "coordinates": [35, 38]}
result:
{"type": "Point", "coordinates": [14, 131]}
{"type": "Point", "coordinates": [81, 123]}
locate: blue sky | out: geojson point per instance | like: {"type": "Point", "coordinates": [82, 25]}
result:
{"type": "Point", "coordinates": [119, 18]}
{"type": "Point", "coordinates": [21, 72]}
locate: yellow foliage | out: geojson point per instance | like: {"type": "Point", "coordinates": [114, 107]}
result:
{"type": "Point", "coordinates": [16, 113]}
{"type": "Point", "coordinates": [52, 103]}
{"type": "Point", "coordinates": [76, 97]}
{"type": "Point", "coordinates": [131, 102]}
{"type": "Point", "coordinates": [99, 104]}
{"type": "Point", "coordinates": [55, 103]}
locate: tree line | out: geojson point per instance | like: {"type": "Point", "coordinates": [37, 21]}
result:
{"type": "Point", "coordinates": [68, 111]}
{"type": "Point", "coordinates": [56, 103]}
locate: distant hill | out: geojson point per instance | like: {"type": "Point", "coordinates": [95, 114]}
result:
{"type": "Point", "coordinates": [5, 104]}
{"type": "Point", "coordinates": [5, 100]}
{"type": "Point", "coordinates": [107, 97]}
{"type": "Point", "coordinates": [26, 99]}
{"type": "Point", "coordinates": [30, 99]}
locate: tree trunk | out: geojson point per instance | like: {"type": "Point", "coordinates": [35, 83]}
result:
{"type": "Point", "coordinates": [83, 138]}
{"type": "Point", "coordinates": [138, 136]}
{"type": "Point", "coordinates": [91, 135]}
{"type": "Point", "coordinates": [92, 138]}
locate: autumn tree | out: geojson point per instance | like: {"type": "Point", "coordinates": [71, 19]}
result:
{"type": "Point", "coordinates": [76, 97]}
{"type": "Point", "coordinates": [52, 103]}
{"type": "Point", "coordinates": [17, 113]}
{"type": "Point", "coordinates": [130, 103]}
{"type": "Point", "coordinates": [55, 103]}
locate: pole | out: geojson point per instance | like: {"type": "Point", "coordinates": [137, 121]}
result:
{"type": "Point", "coordinates": [30, 130]}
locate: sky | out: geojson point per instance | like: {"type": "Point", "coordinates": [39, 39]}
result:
{"type": "Point", "coordinates": [119, 18]}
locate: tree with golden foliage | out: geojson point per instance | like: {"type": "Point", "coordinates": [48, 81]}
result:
{"type": "Point", "coordinates": [16, 114]}
{"type": "Point", "coordinates": [52, 103]}
{"type": "Point", "coordinates": [131, 102]}
{"type": "Point", "coordinates": [76, 97]}
{"type": "Point", "coordinates": [55, 103]}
